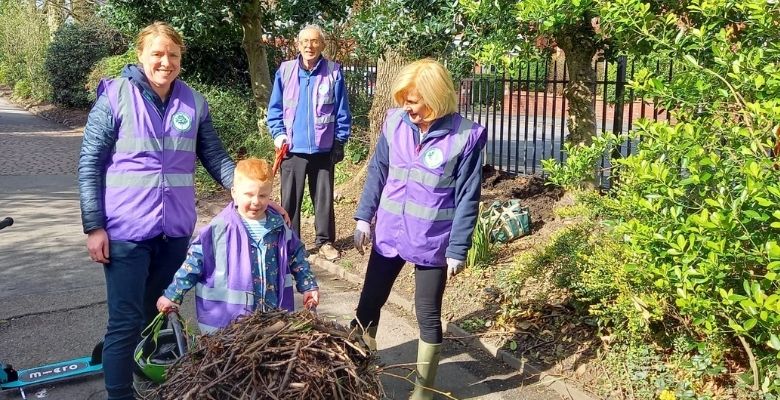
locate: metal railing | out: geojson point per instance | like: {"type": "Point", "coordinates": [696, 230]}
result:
{"type": "Point", "coordinates": [526, 113]}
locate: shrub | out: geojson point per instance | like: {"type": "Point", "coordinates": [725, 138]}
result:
{"type": "Point", "coordinates": [108, 67]}
{"type": "Point", "coordinates": [24, 37]}
{"type": "Point", "coordinates": [22, 89]}
{"type": "Point", "coordinates": [578, 170]}
{"type": "Point", "coordinates": [76, 47]}
{"type": "Point", "coordinates": [234, 116]}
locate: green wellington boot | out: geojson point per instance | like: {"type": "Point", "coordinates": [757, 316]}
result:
{"type": "Point", "coordinates": [427, 364]}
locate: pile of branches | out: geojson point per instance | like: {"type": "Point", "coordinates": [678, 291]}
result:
{"type": "Point", "coordinates": [276, 355]}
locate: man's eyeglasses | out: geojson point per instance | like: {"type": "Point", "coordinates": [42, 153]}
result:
{"type": "Point", "coordinates": [313, 42]}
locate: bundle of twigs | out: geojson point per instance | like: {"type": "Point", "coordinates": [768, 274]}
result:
{"type": "Point", "coordinates": [276, 355]}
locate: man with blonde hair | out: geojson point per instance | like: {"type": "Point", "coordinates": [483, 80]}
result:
{"type": "Point", "coordinates": [309, 112]}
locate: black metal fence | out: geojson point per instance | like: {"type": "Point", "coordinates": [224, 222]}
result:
{"type": "Point", "coordinates": [526, 113]}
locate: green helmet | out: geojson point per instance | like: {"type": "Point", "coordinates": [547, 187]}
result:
{"type": "Point", "coordinates": [160, 348]}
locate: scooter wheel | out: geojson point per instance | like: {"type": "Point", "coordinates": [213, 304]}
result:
{"type": "Point", "coordinates": [97, 354]}
{"type": "Point", "coordinates": [7, 373]}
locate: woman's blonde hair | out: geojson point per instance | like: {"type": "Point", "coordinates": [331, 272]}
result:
{"type": "Point", "coordinates": [255, 169]}
{"type": "Point", "coordinates": [158, 29]}
{"type": "Point", "coordinates": [432, 82]}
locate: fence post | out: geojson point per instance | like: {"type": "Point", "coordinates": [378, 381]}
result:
{"type": "Point", "coordinates": [617, 122]}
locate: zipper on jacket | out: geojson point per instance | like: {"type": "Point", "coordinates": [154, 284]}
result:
{"type": "Point", "coordinates": [309, 130]}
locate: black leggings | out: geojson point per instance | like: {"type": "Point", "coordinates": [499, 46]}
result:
{"type": "Point", "coordinates": [429, 283]}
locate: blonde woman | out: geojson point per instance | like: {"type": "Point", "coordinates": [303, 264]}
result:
{"type": "Point", "coordinates": [423, 190]}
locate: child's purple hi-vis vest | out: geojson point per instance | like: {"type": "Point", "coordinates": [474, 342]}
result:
{"type": "Point", "coordinates": [225, 290]}
{"type": "Point", "coordinates": [149, 186]}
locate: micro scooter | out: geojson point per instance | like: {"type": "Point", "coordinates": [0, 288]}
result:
{"type": "Point", "coordinates": [13, 379]}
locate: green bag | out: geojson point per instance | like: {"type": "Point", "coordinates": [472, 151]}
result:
{"type": "Point", "coordinates": [511, 220]}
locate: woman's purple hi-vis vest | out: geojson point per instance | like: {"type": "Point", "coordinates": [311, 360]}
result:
{"type": "Point", "coordinates": [225, 290]}
{"type": "Point", "coordinates": [323, 107]}
{"type": "Point", "coordinates": [149, 183]}
{"type": "Point", "coordinates": [415, 213]}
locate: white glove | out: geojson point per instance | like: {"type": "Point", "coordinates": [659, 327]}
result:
{"type": "Point", "coordinates": [454, 267]}
{"type": "Point", "coordinates": [362, 235]}
{"type": "Point", "coordinates": [279, 141]}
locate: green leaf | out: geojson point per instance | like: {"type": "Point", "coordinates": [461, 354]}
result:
{"type": "Point", "coordinates": [773, 342]}
{"type": "Point", "coordinates": [772, 249]}
{"type": "Point", "coordinates": [691, 60]}
{"type": "Point", "coordinates": [759, 81]}
{"type": "Point", "coordinates": [749, 324]}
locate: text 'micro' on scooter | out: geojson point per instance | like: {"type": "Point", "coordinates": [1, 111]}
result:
{"type": "Point", "coordinates": [13, 379]}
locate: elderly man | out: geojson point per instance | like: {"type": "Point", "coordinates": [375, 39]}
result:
{"type": "Point", "coordinates": [309, 111]}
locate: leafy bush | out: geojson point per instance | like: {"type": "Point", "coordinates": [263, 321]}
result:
{"type": "Point", "coordinates": [580, 164]}
{"type": "Point", "coordinates": [76, 47]}
{"type": "Point", "coordinates": [234, 116]}
{"type": "Point", "coordinates": [108, 67]}
{"type": "Point", "coordinates": [22, 89]}
{"type": "Point", "coordinates": [24, 37]}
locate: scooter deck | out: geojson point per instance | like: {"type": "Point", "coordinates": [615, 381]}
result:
{"type": "Point", "coordinates": [53, 372]}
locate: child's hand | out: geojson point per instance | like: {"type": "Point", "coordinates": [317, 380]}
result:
{"type": "Point", "coordinates": [165, 305]}
{"type": "Point", "coordinates": [311, 299]}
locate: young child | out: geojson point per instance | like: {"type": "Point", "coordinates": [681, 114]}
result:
{"type": "Point", "coordinates": [245, 259]}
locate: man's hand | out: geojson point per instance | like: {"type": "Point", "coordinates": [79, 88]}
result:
{"type": "Point", "coordinates": [337, 152]}
{"type": "Point", "coordinates": [97, 245]}
{"type": "Point", "coordinates": [362, 235]}
{"type": "Point", "coordinates": [454, 267]}
{"type": "Point", "coordinates": [280, 140]}
{"type": "Point", "coordinates": [165, 305]}
{"type": "Point", "coordinates": [311, 299]}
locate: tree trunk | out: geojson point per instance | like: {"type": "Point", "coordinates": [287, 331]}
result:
{"type": "Point", "coordinates": [251, 24]}
{"type": "Point", "coordinates": [54, 14]}
{"type": "Point", "coordinates": [580, 47]}
{"type": "Point", "coordinates": [387, 67]}
{"type": "Point", "coordinates": [81, 10]}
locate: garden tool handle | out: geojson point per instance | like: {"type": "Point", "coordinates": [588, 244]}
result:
{"type": "Point", "coordinates": [178, 330]}
{"type": "Point", "coordinates": [280, 154]}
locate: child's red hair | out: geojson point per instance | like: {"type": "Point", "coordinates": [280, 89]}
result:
{"type": "Point", "coordinates": [253, 168]}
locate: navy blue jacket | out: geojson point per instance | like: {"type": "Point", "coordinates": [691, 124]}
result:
{"type": "Point", "coordinates": [100, 135]}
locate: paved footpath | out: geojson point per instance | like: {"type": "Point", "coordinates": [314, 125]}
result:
{"type": "Point", "coordinates": [53, 296]}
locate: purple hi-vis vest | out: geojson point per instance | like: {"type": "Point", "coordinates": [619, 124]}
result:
{"type": "Point", "coordinates": [225, 290]}
{"type": "Point", "coordinates": [417, 206]}
{"type": "Point", "coordinates": [149, 185]}
{"type": "Point", "coordinates": [323, 107]}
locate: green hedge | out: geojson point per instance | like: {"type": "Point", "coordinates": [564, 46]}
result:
{"type": "Point", "coordinates": [24, 37]}
{"type": "Point", "coordinates": [108, 67]}
{"type": "Point", "coordinates": [71, 55]}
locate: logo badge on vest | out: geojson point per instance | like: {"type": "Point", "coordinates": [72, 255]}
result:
{"type": "Point", "coordinates": [181, 121]}
{"type": "Point", "coordinates": [433, 157]}
{"type": "Point", "coordinates": [323, 89]}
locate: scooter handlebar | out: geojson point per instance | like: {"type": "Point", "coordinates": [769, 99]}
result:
{"type": "Point", "coordinates": [6, 222]}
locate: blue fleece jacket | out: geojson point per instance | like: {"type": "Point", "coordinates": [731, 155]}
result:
{"type": "Point", "coordinates": [467, 187]}
{"type": "Point", "coordinates": [100, 135]}
{"type": "Point", "coordinates": [303, 125]}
